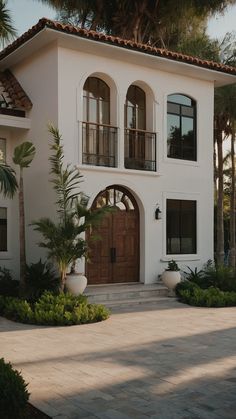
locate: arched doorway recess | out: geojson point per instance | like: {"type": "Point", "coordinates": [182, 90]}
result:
{"type": "Point", "coordinates": [114, 257]}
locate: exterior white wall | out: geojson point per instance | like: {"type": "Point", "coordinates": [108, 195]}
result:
{"type": "Point", "coordinates": [54, 79]}
{"type": "Point", "coordinates": [39, 78]}
{"type": "Point", "coordinates": [174, 178]}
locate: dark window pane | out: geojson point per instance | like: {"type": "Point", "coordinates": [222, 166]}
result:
{"type": "Point", "coordinates": [135, 108]}
{"type": "Point", "coordinates": [186, 111]}
{"type": "Point", "coordinates": [141, 119]}
{"type": "Point", "coordinates": [3, 229]}
{"type": "Point", "coordinates": [85, 108]}
{"type": "Point", "coordinates": [181, 226]}
{"type": "Point", "coordinates": [173, 139]}
{"type": "Point", "coordinates": [104, 112]}
{"type": "Point", "coordinates": [173, 108]}
{"type": "Point", "coordinates": [187, 127]}
{"type": "Point", "coordinates": [131, 117]}
{"type": "Point", "coordinates": [181, 99]}
{"type": "Point", "coordinates": [181, 129]}
{"type": "Point", "coordinates": [93, 111]}
{"type": "Point", "coordinates": [96, 92]}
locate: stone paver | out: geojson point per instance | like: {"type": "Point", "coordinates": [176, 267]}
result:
{"type": "Point", "coordinates": [168, 361]}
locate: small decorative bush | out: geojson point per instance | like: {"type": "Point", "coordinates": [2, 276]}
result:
{"type": "Point", "coordinates": [13, 392]}
{"type": "Point", "coordinates": [55, 310]}
{"type": "Point", "coordinates": [172, 266]}
{"type": "Point", "coordinates": [40, 277]}
{"type": "Point", "coordinates": [8, 286]}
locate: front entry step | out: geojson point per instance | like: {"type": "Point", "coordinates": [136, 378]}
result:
{"type": "Point", "coordinates": [126, 295]}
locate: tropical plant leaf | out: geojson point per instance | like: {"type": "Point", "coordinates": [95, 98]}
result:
{"type": "Point", "coordinates": [24, 154]}
{"type": "Point", "coordinates": [8, 182]}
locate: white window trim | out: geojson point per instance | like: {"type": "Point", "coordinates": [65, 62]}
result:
{"type": "Point", "coordinates": [181, 196]}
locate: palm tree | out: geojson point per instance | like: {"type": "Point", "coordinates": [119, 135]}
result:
{"type": "Point", "coordinates": [7, 30]}
{"type": "Point", "coordinates": [225, 117]}
{"type": "Point", "coordinates": [8, 182]}
{"type": "Point", "coordinates": [63, 238]}
{"type": "Point", "coordinates": [23, 156]}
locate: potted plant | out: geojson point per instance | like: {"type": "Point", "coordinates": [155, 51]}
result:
{"type": "Point", "coordinates": [63, 238]}
{"type": "Point", "coordinates": [171, 276]}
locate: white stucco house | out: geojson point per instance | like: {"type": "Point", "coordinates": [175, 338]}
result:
{"type": "Point", "coordinates": [138, 121]}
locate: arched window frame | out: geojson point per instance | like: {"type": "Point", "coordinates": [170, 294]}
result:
{"type": "Point", "coordinates": [99, 144]}
{"type": "Point", "coordinates": [132, 103]}
{"type": "Point", "coordinates": [182, 107]}
{"type": "Point", "coordinates": [90, 101]}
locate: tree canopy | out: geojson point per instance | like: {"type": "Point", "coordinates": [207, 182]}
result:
{"type": "Point", "coordinates": [163, 23]}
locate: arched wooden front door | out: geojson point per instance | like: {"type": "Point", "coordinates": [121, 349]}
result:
{"type": "Point", "coordinates": [114, 257]}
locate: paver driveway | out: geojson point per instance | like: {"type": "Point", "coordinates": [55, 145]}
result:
{"type": "Point", "coordinates": [168, 361]}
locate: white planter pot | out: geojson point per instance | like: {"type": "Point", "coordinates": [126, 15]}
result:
{"type": "Point", "coordinates": [76, 283]}
{"type": "Point", "coordinates": [171, 279]}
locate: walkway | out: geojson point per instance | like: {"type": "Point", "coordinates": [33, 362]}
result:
{"type": "Point", "coordinates": [165, 362]}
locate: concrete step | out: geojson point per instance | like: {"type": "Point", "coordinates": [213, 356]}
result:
{"type": "Point", "coordinates": [132, 302]}
{"type": "Point", "coordinates": [104, 294]}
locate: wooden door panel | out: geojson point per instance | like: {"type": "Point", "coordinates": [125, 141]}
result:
{"type": "Point", "coordinates": [99, 269]}
{"type": "Point", "coordinates": [119, 231]}
{"type": "Point", "coordinates": [126, 242]}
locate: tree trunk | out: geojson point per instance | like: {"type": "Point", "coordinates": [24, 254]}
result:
{"type": "Point", "coordinates": [232, 205]}
{"type": "Point", "coordinates": [220, 197]}
{"type": "Point", "coordinates": [22, 233]}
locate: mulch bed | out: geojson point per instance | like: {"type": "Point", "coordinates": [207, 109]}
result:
{"type": "Point", "coordinates": [33, 413]}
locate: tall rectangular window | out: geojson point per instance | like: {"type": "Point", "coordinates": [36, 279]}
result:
{"type": "Point", "coordinates": [181, 227]}
{"type": "Point", "coordinates": [3, 229]}
{"type": "Point", "coordinates": [2, 150]}
{"type": "Point", "coordinates": [181, 128]}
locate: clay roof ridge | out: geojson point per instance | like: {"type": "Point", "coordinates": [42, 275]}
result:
{"type": "Point", "coordinates": [114, 40]}
{"type": "Point", "coordinates": [15, 91]}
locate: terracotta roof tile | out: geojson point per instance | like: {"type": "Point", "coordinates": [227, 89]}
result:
{"type": "Point", "coordinates": [108, 39]}
{"type": "Point", "coordinates": [19, 98]}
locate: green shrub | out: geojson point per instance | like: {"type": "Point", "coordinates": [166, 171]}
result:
{"type": "Point", "coordinates": [8, 286]}
{"type": "Point", "coordinates": [55, 310]}
{"type": "Point", "coordinates": [196, 276]}
{"type": "Point", "coordinates": [13, 392]}
{"type": "Point", "coordinates": [18, 310]}
{"type": "Point", "coordinates": [40, 277]}
{"type": "Point", "coordinates": [66, 309]}
{"type": "Point", "coordinates": [211, 297]}
{"type": "Point", "coordinates": [184, 286]}
{"type": "Point", "coordinates": [222, 277]}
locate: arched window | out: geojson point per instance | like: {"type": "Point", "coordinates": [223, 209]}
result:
{"type": "Point", "coordinates": [99, 138]}
{"type": "Point", "coordinates": [135, 108]}
{"type": "Point", "coordinates": [96, 101]}
{"type": "Point", "coordinates": [140, 145]}
{"type": "Point", "coordinates": [181, 127]}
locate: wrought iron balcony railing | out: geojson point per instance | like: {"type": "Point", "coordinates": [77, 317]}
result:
{"type": "Point", "coordinates": [140, 150]}
{"type": "Point", "coordinates": [99, 145]}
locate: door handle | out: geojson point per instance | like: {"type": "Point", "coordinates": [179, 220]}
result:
{"type": "Point", "coordinates": [113, 254]}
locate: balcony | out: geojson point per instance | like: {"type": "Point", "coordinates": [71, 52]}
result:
{"type": "Point", "coordinates": [140, 150]}
{"type": "Point", "coordinates": [99, 145]}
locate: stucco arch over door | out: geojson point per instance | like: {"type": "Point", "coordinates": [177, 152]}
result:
{"type": "Point", "coordinates": [114, 257]}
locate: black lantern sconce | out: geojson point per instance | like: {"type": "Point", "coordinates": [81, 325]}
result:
{"type": "Point", "coordinates": [157, 213]}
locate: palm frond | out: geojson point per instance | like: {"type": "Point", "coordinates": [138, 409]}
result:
{"type": "Point", "coordinates": [7, 30]}
{"type": "Point", "coordinates": [8, 182]}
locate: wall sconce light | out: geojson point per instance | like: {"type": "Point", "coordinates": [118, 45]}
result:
{"type": "Point", "coordinates": [157, 213]}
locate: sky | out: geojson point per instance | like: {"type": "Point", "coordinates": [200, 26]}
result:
{"type": "Point", "coordinates": [26, 13]}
